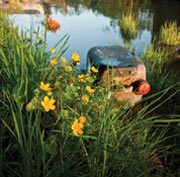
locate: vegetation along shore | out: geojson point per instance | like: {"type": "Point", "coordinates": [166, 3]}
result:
{"type": "Point", "coordinates": [55, 122]}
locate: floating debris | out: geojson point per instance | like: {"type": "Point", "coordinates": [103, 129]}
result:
{"type": "Point", "coordinates": [52, 24]}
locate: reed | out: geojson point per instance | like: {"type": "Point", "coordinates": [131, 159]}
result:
{"type": "Point", "coordinates": [170, 33]}
{"type": "Point", "coordinates": [129, 26]}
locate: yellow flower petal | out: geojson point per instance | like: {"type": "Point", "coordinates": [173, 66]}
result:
{"type": "Point", "coordinates": [45, 87]}
{"type": "Point", "coordinates": [53, 62]}
{"type": "Point", "coordinates": [89, 89]}
{"type": "Point", "coordinates": [82, 78]}
{"type": "Point", "coordinates": [77, 127]}
{"type": "Point", "coordinates": [75, 57]}
{"type": "Point", "coordinates": [82, 119]}
{"type": "Point", "coordinates": [52, 50]}
{"type": "Point", "coordinates": [63, 60]}
{"type": "Point", "coordinates": [68, 68]}
{"type": "Point", "coordinates": [84, 98]}
{"type": "Point", "coordinates": [48, 104]}
{"type": "Point", "coordinates": [93, 69]}
{"type": "Point", "coordinates": [49, 93]}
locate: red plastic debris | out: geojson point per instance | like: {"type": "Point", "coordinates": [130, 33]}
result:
{"type": "Point", "coordinates": [52, 24]}
{"type": "Point", "coordinates": [143, 88]}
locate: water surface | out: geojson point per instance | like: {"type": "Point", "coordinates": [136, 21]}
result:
{"type": "Point", "coordinates": [97, 23]}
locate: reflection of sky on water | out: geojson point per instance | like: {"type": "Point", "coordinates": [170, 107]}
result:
{"type": "Point", "coordinates": [25, 21]}
{"type": "Point", "coordinates": [142, 42]}
{"type": "Point", "coordinates": [86, 29]}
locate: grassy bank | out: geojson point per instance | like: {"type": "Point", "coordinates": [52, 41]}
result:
{"type": "Point", "coordinates": [55, 122]}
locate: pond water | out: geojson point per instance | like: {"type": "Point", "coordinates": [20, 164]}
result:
{"type": "Point", "coordinates": [97, 23]}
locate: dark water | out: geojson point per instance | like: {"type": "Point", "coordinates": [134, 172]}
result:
{"type": "Point", "coordinates": [97, 23]}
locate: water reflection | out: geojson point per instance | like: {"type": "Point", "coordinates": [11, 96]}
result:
{"type": "Point", "coordinates": [91, 23]}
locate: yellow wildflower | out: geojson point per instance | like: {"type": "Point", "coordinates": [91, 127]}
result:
{"type": "Point", "coordinates": [63, 60]}
{"type": "Point", "coordinates": [76, 58]}
{"type": "Point", "coordinates": [49, 93]}
{"type": "Point", "coordinates": [84, 98]}
{"type": "Point", "coordinates": [68, 68]}
{"type": "Point", "coordinates": [48, 104]}
{"type": "Point", "coordinates": [77, 127]}
{"type": "Point", "coordinates": [53, 62]}
{"type": "Point", "coordinates": [82, 78]}
{"type": "Point", "coordinates": [45, 87]}
{"type": "Point", "coordinates": [89, 89]}
{"type": "Point", "coordinates": [52, 50]}
{"type": "Point", "coordinates": [94, 70]}
{"type": "Point", "coordinates": [82, 119]}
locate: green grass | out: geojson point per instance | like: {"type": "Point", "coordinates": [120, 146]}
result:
{"type": "Point", "coordinates": [170, 33]}
{"type": "Point", "coordinates": [129, 26]}
{"type": "Point", "coordinates": [160, 77]}
{"type": "Point", "coordinates": [116, 140]}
